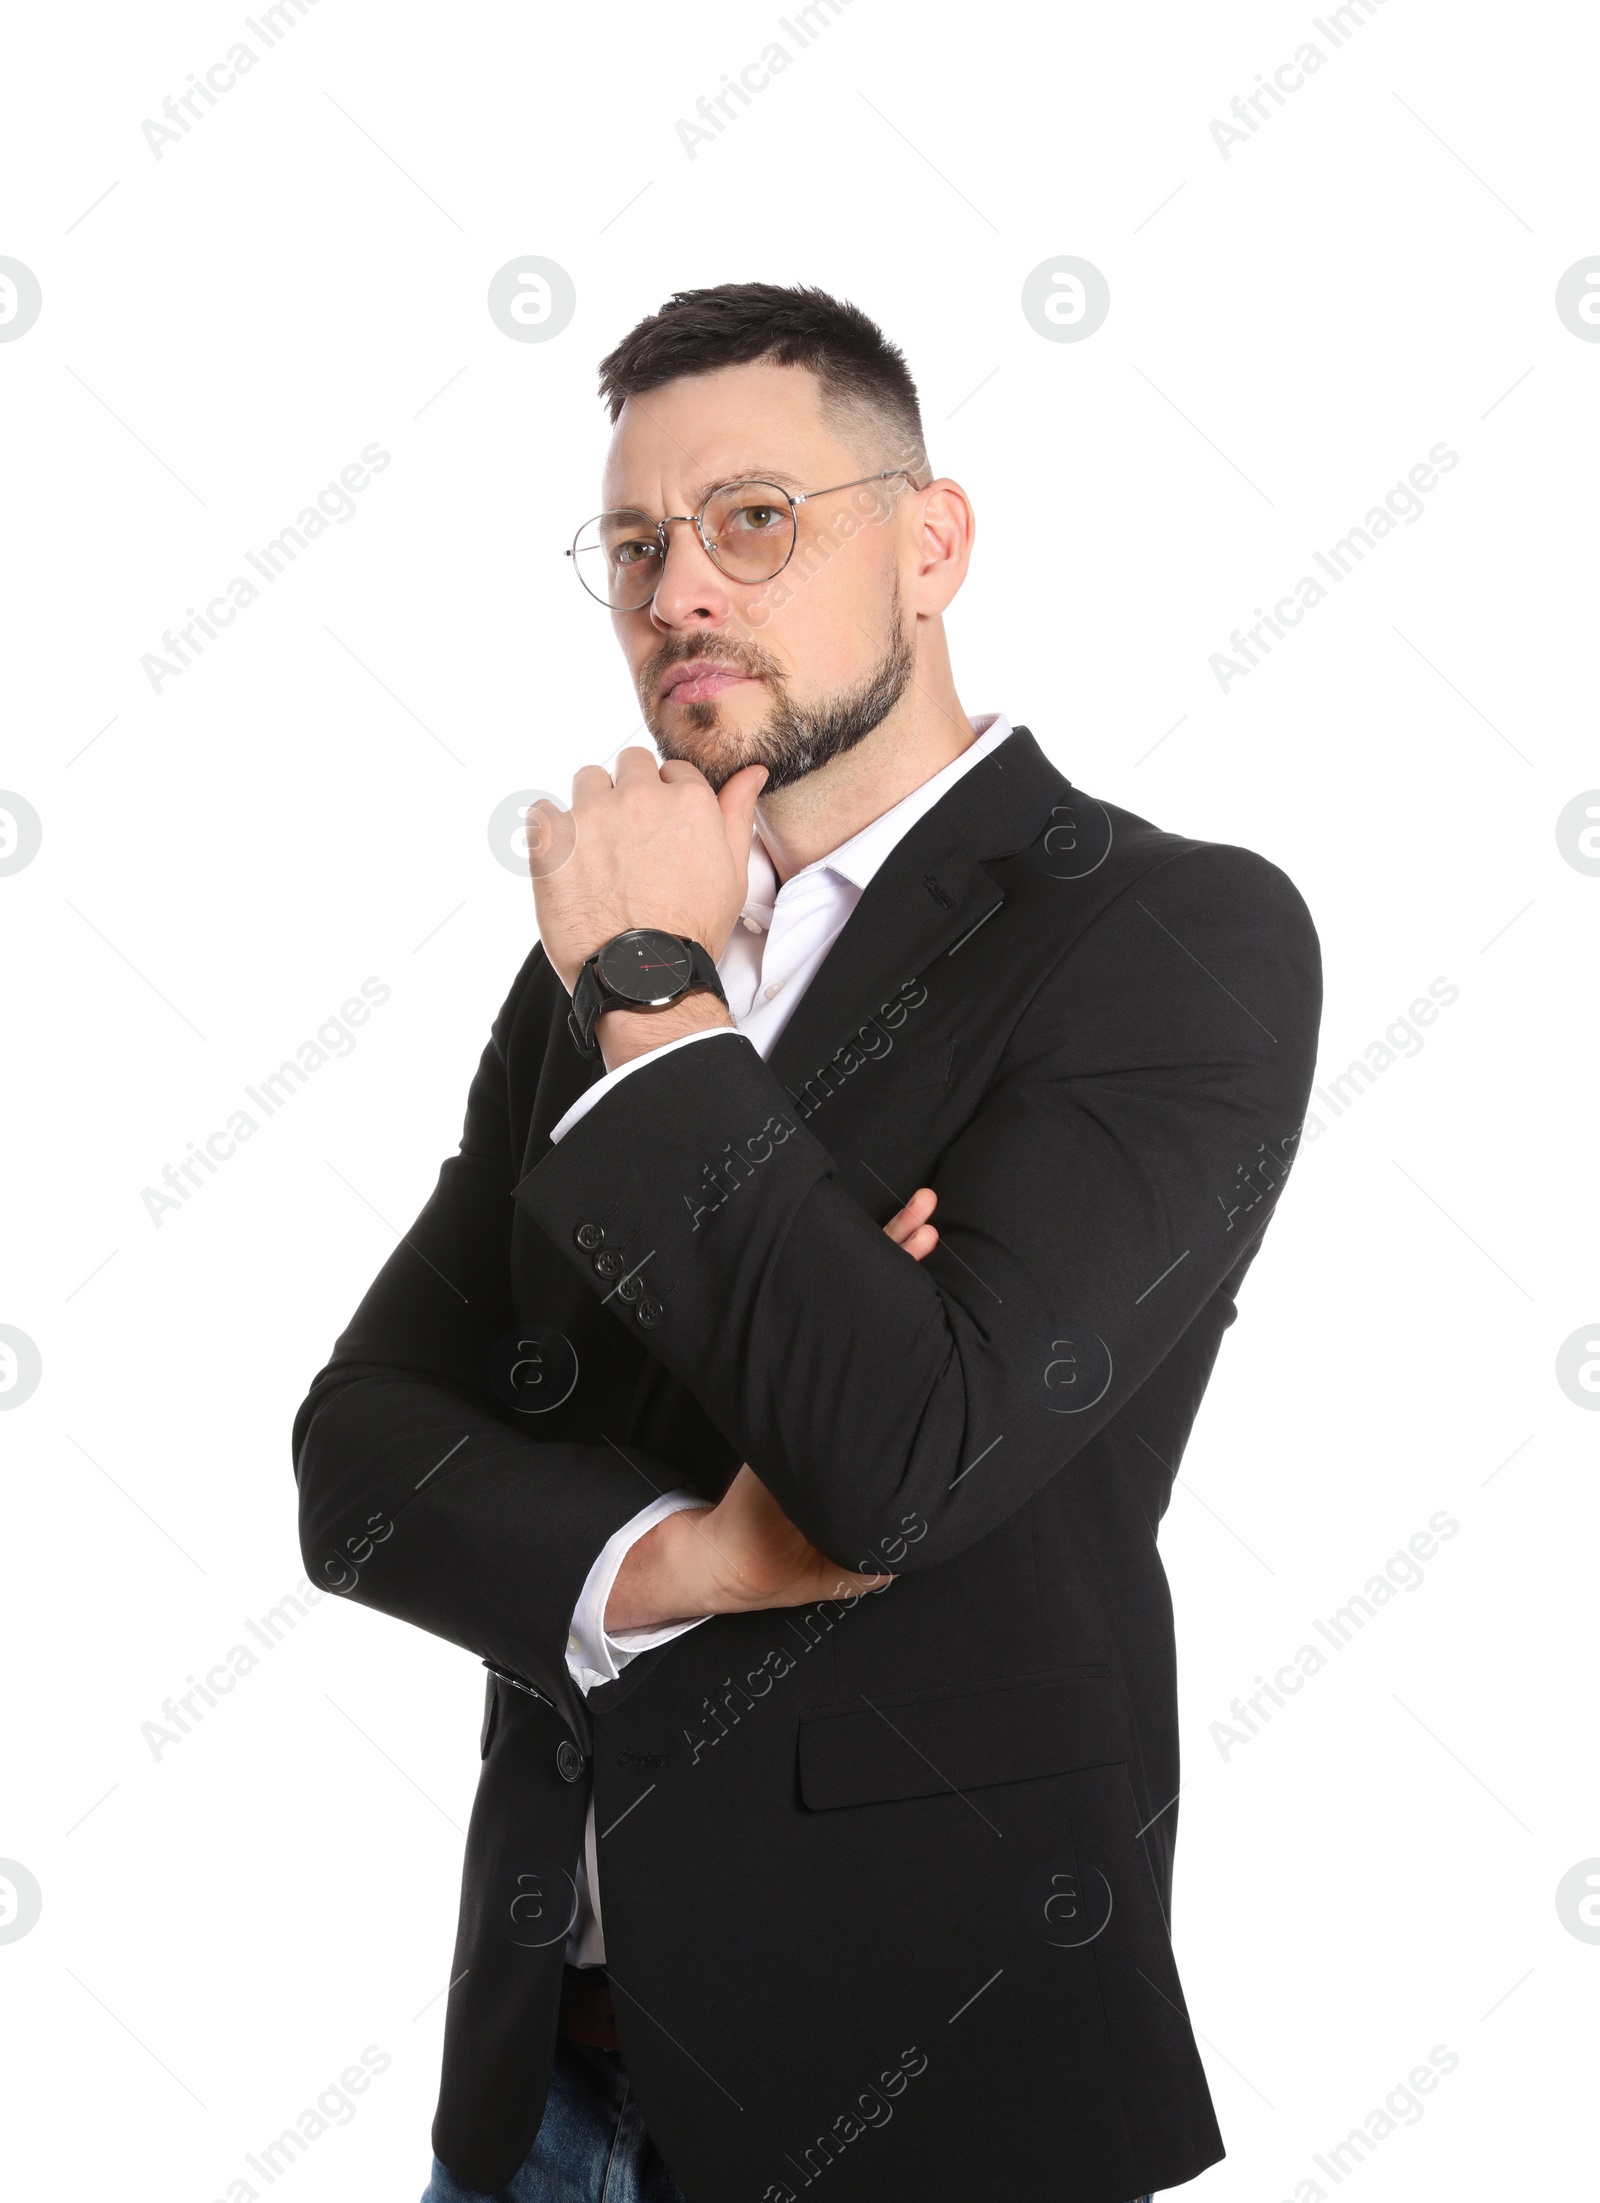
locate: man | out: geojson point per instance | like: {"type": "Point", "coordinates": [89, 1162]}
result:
{"type": "Point", "coordinates": [831, 1699]}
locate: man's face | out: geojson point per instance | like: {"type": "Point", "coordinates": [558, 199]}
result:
{"type": "Point", "coordinates": [794, 671]}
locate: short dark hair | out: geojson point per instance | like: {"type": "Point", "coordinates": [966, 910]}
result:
{"type": "Point", "coordinates": [696, 332]}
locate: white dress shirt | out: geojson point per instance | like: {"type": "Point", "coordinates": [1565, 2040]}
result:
{"type": "Point", "coordinates": [774, 953]}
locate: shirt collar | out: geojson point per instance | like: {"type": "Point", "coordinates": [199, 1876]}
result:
{"type": "Point", "coordinates": [859, 858]}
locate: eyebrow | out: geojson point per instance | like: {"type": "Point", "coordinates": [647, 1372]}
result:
{"type": "Point", "coordinates": [710, 482]}
{"type": "Point", "coordinates": [752, 474]}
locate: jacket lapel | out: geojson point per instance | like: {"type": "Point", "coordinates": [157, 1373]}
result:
{"type": "Point", "coordinates": [928, 895]}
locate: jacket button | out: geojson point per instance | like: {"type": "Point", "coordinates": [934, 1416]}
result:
{"type": "Point", "coordinates": [609, 1263]}
{"type": "Point", "coordinates": [569, 1761]}
{"type": "Point", "coordinates": [630, 1289]}
{"type": "Point", "coordinates": [589, 1236]}
{"type": "Point", "coordinates": [649, 1313]}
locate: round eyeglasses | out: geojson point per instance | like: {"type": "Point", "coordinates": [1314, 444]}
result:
{"type": "Point", "coordinates": [748, 530]}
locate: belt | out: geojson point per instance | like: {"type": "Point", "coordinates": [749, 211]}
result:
{"type": "Point", "coordinates": [586, 2014]}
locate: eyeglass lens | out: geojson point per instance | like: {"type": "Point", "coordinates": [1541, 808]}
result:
{"type": "Point", "coordinates": [749, 530]}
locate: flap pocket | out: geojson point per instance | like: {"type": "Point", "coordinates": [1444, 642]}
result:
{"type": "Point", "coordinates": [868, 1754]}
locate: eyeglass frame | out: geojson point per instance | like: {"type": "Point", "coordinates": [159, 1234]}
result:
{"type": "Point", "coordinates": [791, 498]}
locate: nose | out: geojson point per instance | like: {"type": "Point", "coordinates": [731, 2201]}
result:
{"type": "Point", "coordinates": [692, 590]}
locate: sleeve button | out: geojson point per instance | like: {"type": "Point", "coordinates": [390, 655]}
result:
{"type": "Point", "coordinates": [609, 1263]}
{"type": "Point", "coordinates": [569, 1761]}
{"type": "Point", "coordinates": [649, 1312]}
{"type": "Point", "coordinates": [589, 1236]}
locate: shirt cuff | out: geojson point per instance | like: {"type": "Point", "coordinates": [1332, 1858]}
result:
{"type": "Point", "coordinates": [602, 1087]}
{"type": "Point", "coordinates": [594, 1654]}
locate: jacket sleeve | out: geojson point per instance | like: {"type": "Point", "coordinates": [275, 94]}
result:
{"type": "Point", "coordinates": [1119, 1164]}
{"type": "Point", "coordinates": [421, 1493]}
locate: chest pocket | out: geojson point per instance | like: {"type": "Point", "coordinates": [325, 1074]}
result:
{"type": "Point", "coordinates": [906, 1069]}
{"type": "Point", "coordinates": [927, 1065]}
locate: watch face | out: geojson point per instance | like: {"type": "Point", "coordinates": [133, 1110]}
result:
{"type": "Point", "coordinates": [645, 966]}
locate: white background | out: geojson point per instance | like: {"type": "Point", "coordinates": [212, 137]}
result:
{"type": "Point", "coordinates": [304, 273]}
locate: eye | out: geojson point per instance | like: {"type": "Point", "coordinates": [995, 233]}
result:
{"type": "Point", "coordinates": [753, 519]}
{"type": "Point", "coordinates": [635, 549]}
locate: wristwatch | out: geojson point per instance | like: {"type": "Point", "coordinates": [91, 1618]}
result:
{"type": "Point", "coordinates": [638, 970]}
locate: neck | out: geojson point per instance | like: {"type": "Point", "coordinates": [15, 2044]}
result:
{"type": "Point", "coordinates": [927, 730]}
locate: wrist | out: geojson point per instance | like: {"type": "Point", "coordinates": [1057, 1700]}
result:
{"type": "Point", "coordinates": [624, 1035]}
{"type": "Point", "coordinates": [663, 1577]}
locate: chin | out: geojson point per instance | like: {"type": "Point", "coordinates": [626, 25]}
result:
{"type": "Point", "coordinates": [706, 736]}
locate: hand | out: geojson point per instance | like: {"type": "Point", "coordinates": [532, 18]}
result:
{"type": "Point", "coordinates": [655, 847]}
{"type": "Point", "coordinates": [744, 1553]}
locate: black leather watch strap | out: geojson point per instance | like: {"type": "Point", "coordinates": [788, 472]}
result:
{"type": "Point", "coordinates": [586, 1007]}
{"type": "Point", "coordinates": [705, 972]}
{"type": "Point", "coordinates": [591, 997]}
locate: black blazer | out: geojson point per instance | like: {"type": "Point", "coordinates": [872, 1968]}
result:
{"type": "Point", "coordinates": [885, 1882]}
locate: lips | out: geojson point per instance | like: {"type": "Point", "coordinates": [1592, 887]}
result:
{"type": "Point", "coordinates": [697, 680]}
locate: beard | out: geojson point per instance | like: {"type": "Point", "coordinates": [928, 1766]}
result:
{"type": "Point", "coordinates": [794, 738]}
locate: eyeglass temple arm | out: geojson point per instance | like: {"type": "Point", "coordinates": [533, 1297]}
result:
{"type": "Point", "coordinates": [887, 475]}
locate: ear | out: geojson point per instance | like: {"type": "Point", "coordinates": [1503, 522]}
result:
{"type": "Point", "coordinates": [943, 527]}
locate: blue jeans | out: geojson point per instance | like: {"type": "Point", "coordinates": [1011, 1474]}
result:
{"type": "Point", "coordinates": [591, 2146]}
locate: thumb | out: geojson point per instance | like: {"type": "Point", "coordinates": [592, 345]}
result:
{"type": "Point", "coordinates": [736, 799]}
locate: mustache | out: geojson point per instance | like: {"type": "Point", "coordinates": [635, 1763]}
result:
{"type": "Point", "coordinates": [747, 658]}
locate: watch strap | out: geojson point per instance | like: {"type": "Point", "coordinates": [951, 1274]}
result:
{"type": "Point", "coordinates": [591, 996]}
{"type": "Point", "coordinates": [705, 973]}
{"type": "Point", "coordinates": [588, 999]}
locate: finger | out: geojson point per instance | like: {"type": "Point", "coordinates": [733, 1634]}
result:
{"type": "Point", "coordinates": [736, 799]}
{"type": "Point", "coordinates": [589, 782]}
{"type": "Point", "coordinates": [916, 1212]}
{"type": "Point", "coordinates": [634, 764]}
{"type": "Point", "coordinates": [921, 1243]}
{"type": "Point", "coordinates": [679, 768]}
{"type": "Point", "coordinates": [550, 835]}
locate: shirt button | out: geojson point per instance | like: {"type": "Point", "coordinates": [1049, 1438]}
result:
{"type": "Point", "coordinates": [569, 1760]}
{"type": "Point", "coordinates": [589, 1236]}
{"type": "Point", "coordinates": [752, 925]}
{"type": "Point", "coordinates": [769, 992]}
